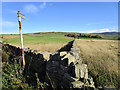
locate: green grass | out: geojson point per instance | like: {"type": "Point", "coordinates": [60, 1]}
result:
{"type": "Point", "coordinates": [40, 39]}
{"type": "Point", "coordinates": [111, 37]}
{"type": "Point", "coordinates": [46, 38]}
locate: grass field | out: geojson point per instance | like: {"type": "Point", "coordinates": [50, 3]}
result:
{"type": "Point", "coordinates": [44, 42]}
{"type": "Point", "coordinates": [101, 57]}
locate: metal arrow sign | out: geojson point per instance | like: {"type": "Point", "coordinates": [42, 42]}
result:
{"type": "Point", "coordinates": [20, 15]}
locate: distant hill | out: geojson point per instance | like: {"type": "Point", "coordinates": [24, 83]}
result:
{"type": "Point", "coordinates": [107, 33]}
{"type": "Point", "coordinates": [110, 35]}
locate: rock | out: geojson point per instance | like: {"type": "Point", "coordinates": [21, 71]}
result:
{"type": "Point", "coordinates": [91, 81]}
{"type": "Point", "coordinates": [63, 53]}
{"type": "Point", "coordinates": [84, 71]}
{"type": "Point", "coordinates": [77, 84]}
{"type": "Point", "coordinates": [67, 76]}
{"type": "Point", "coordinates": [64, 62]}
{"type": "Point", "coordinates": [75, 49]}
{"type": "Point", "coordinates": [55, 56]}
{"type": "Point", "coordinates": [32, 50]}
{"type": "Point", "coordinates": [46, 55]}
{"type": "Point", "coordinates": [63, 68]}
{"type": "Point", "coordinates": [70, 57]}
{"type": "Point", "coordinates": [81, 71]}
{"type": "Point", "coordinates": [55, 63]}
{"type": "Point", "coordinates": [26, 49]}
{"type": "Point", "coordinates": [77, 69]}
{"type": "Point", "coordinates": [38, 52]}
{"type": "Point", "coordinates": [52, 66]}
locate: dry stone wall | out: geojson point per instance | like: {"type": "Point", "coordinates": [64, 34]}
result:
{"type": "Point", "coordinates": [62, 69]}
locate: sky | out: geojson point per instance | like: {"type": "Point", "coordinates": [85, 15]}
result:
{"type": "Point", "coordinates": [83, 17]}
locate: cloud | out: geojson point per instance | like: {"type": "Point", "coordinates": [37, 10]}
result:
{"type": "Point", "coordinates": [8, 32]}
{"type": "Point", "coordinates": [98, 31]}
{"type": "Point", "coordinates": [9, 23]}
{"type": "Point", "coordinates": [104, 30]}
{"type": "Point", "coordinates": [30, 8]}
{"type": "Point", "coordinates": [43, 5]}
{"type": "Point", "coordinates": [114, 30]}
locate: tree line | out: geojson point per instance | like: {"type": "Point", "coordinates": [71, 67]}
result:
{"type": "Point", "coordinates": [83, 35]}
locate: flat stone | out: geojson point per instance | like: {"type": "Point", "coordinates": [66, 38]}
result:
{"type": "Point", "coordinates": [70, 57]}
{"type": "Point", "coordinates": [46, 55]}
{"type": "Point", "coordinates": [77, 84]}
{"type": "Point", "coordinates": [63, 53]}
{"type": "Point", "coordinates": [84, 71]}
{"type": "Point", "coordinates": [81, 71]}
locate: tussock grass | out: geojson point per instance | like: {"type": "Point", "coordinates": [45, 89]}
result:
{"type": "Point", "coordinates": [101, 56]}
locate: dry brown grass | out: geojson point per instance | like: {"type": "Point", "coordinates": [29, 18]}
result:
{"type": "Point", "coordinates": [101, 57]}
{"type": "Point", "coordinates": [103, 53]}
{"type": "Point", "coordinates": [9, 36]}
{"type": "Point", "coordinates": [47, 47]}
{"type": "Point", "coordinates": [50, 47]}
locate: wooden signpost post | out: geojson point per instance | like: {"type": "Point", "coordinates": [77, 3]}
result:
{"type": "Point", "coordinates": [19, 19]}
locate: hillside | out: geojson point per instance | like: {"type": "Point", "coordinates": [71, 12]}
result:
{"type": "Point", "coordinates": [110, 35]}
{"type": "Point", "coordinates": [106, 33]}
